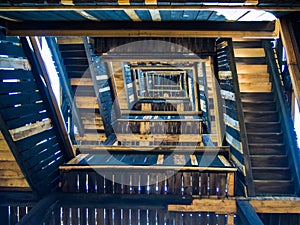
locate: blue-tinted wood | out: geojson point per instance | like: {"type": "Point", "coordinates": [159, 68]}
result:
{"type": "Point", "coordinates": [24, 86]}
{"type": "Point", "coordinates": [32, 118]}
{"type": "Point", "coordinates": [16, 74]}
{"type": "Point", "coordinates": [22, 111]}
{"type": "Point", "coordinates": [11, 49]}
{"type": "Point", "coordinates": [144, 15]}
{"type": "Point", "coordinates": [106, 15]}
{"type": "Point", "coordinates": [190, 15]}
{"type": "Point", "coordinates": [35, 139]}
{"type": "Point", "coordinates": [39, 149]}
{"type": "Point", "coordinates": [11, 100]}
{"type": "Point", "coordinates": [203, 15]}
{"type": "Point", "coordinates": [247, 214]}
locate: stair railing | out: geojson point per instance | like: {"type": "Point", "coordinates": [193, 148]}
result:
{"type": "Point", "coordinates": [230, 92]}
{"type": "Point", "coordinates": [286, 121]}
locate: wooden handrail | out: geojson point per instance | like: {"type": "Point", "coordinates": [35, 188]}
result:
{"type": "Point", "coordinates": [38, 68]}
{"type": "Point", "coordinates": [240, 115]}
{"type": "Point", "coordinates": [64, 80]}
{"type": "Point", "coordinates": [286, 121]}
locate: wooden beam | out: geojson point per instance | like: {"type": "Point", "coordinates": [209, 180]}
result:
{"type": "Point", "coordinates": [160, 137]}
{"type": "Point", "coordinates": [276, 205]}
{"type": "Point", "coordinates": [154, 149]}
{"type": "Point", "coordinates": [144, 29]}
{"type": "Point", "coordinates": [218, 206]}
{"type": "Point", "coordinates": [147, 7]}
{"type": "Point", "coordinates": [29, 130]}
{"type": "Point", "coordinates": [247, 215]}
{"type": "Point", "coordinates": [144, 168]}
{"type": "Point", "coordinates": [292, 50]}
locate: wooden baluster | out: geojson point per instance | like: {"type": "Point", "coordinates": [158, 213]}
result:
{"type": "Point", "coordinates": [66, 216]}
{"type": "Point", "coordinates": [161, 217]}
{"type": "Point", "coordinates": [125, 220]}
{"type": "Point", "coordinates": [212, 218]}
{"type": "Point", "coordinates": [13, 215]}
{"type": "Point", "coordinates": [126, 184]}
{"type": "Point", "coordinates": [74, 216]}
{"type": "Point", "coordinates": [203, 218]}
{"type": "Point", "coordinates": [178, 183]}
{"type": "Point", "coordinates": [222, 185]}
{"type": "Point", "coordinates": [100, 216]}
{"type": "Point", "coordinates": [91, 216]}
{"type": "Point", "coordinates": [108, 183]}
{"type": "Point", "coordinates": [117, 216]}
{"type": "Point", "coordinates": [171, 183]}
{"type": "Point", "coordinates": [187, 219]}
{"type": "Point", "coordinates": [22, 211]}
{"type": "Point", "coordinates": [100, 183]}
{"type": "Point", "coordinates": [204, 182]}
{"type": "Point", "coordinates": [143, 183]}
{"type": "Point", "coordinates": [135, 183]}
{"type": "Point", "coordinates": [118, 182]}
{"type": "Point", "coordinates": [82, 181]}
{"type": "Point", "coordinates": [134, 216]}
{"type": "Point", "coordinates": [83, 216]}
{"type": "Point", "coordinates": [230, 183]}
{"type": "Point", "coordinates": [221, 219]}
{"type": "Point", "coordinates": [69, 181]}
{"type": "Point", "coordinates": [91, 182]}
{"type": "Point", "coordinates": [213, 183]}
{"type": "Point", "coordinates": [187, 183]}
{"type": "Point", "coordinates": [143, 216]}
{"type": "Point", "coordinates": [195, 183]}
{"type": "Point", "coordinates": [152, 216]}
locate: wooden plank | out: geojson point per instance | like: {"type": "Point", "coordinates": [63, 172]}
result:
{"type": "Point", "coordinates": [249, 52]}
{"type": "Point", "coordinates": [230, 183]}
{"type": "Point", "coordinates": [81, 81]}
{"type": "Point", "coordinates": [14, 63]}
{"type": "Point", "coordinates": [13, 182]}
{"type": "Point", "coordinates": [157, 137]}
{"type": "Point", "coordinates": [121, 29]}
{"type": "Point", "coordinates": [276, 205]}
{"type": "Point", "coordinates": [249, 69]}
{"type": "Point", "coordinates": [219, 206]}
{"type": "Point", "coordinates": [86, 102]}
{"type": "Point", "coordinates": [30, 130]}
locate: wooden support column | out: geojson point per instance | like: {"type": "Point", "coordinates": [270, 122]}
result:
{"type": "Point", "coordinates": [292, 54]}
{"type": "Point", "coordinates": [247, 214]}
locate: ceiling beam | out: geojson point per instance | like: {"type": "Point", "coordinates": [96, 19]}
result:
{"type": "Point", "coordinates": [191, 6]}
{"type": "Point", "coordinates": [144, 29]}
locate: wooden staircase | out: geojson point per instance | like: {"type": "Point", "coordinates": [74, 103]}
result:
{"type": "Point", "coordinates": [75, 60]}
{"type": "Point", "coordinates": [270, 167]}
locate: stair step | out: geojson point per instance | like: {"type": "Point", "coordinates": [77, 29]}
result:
{"type": "Point", "coordinates": [269, 160]}
{"type": "Point", "coordinates": [263, 127]}
{"type": "Point", "coordinates": [277, 173]}
{"type": "Point", "coordinates": [273, 187]}
{"type": "Point", "coordinates": [266, 116]}
{"type": "Point", "coordinates": [250, 68]}
{"type": "Point", "coordinates": [251, 78]}
{"type": "Point", "coordinates": [259, 106]}
{"type": "Point", "coordinates": [255, 87]}
{"type": "Point", "coordinates": [249, 52]}
{"type": "Point", "coordinates": [247, 44]}
{"type": "Point", "coordinates": [267, 149]}
{"type": "Point", "coordinates": [265, 137]}
{"type": "Point", "coordinates": [259, 96]}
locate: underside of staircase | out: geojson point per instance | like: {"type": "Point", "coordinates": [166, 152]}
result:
{"type": "Point", "coordinates": [269, 161]}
